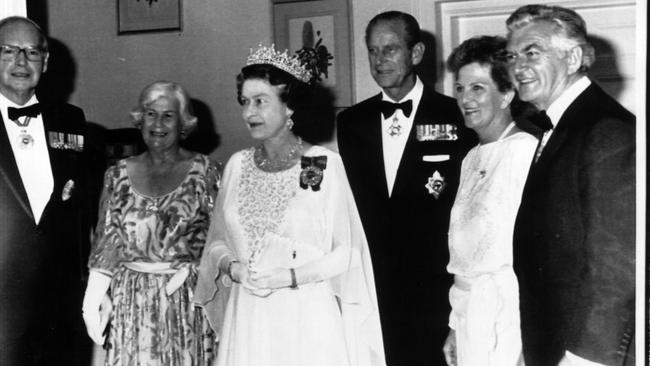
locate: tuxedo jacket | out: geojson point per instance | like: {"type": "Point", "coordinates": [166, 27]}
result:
{"type": "Point", "coordinates": [574, 239]}
{"type": "Point", "coordinates": [407, 232]}
{"type": "Point", "coordinates": [40, 265]}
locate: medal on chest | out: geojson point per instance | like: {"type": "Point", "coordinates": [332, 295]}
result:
{"type": "Point", "coordinates": [25, 140]}
{"type": "Point", "coordinates": [395, 128]}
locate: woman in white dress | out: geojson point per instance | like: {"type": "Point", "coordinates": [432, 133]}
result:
{"type": "Point", "coordinates": [484, 320]}
{"type": "Point", "coordinates": [286, 240]}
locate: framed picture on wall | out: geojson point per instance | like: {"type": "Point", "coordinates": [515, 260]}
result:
{"type": "Point", "coordinates": [148, 16]}
{"type": "Point", "coordinates": [320, 28]}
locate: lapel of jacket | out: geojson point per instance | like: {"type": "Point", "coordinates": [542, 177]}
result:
{"type": "Point", "coordinates": [9, 170]}
{"type": "Point", "coordinates": [57, 162]}
{"type": "Point", "coordinates": [572, 115]}
{"type": "Point", "coordinates": [375, 145]}
{"type": "Point", "coordinates": [408, 163]}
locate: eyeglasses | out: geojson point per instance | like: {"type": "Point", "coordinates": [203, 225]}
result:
{"type": "Point", "coordinates": [10, 53]}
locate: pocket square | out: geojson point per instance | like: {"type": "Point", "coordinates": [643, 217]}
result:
{"type": "Point", "coordinates": [435, 158]}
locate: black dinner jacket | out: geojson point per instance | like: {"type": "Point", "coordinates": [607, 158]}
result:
{"type": "Point", "coordinates": [40, 265]}
{"type": "Point", "coordinates": [574, 247]}
{"type": "Point", "coordinates": [407, 233]}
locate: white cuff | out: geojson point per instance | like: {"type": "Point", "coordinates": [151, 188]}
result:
{"type": "Point", "coordinates": [571, 359]}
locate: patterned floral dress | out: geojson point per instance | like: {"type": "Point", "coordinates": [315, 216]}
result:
{"type": "Point", "coordinates": [145, 243]}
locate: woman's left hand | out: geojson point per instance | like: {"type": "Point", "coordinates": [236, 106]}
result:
{"type": "Point", "coordinates": [272, 279]}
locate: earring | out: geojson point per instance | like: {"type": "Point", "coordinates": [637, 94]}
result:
{"type": "Point", "coordinates": [290, 124]}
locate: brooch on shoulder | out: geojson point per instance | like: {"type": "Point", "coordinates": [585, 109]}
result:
{"type": "Point", "coordinates": [312, 171]}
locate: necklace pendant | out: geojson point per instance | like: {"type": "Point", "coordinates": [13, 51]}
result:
{"type": "Point", "coordinates": [482, 173]}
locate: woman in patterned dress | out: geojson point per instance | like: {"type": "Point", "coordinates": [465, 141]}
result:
{"type": "Point", "coordinates": [484, 298]}
{"type": "Point", "coordinates": [154, 217]}
{"type": "Point", "coordinates": [286, 240]}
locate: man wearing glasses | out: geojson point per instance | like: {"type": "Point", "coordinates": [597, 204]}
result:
{"type": "Point", "coordinates": [41, 186]}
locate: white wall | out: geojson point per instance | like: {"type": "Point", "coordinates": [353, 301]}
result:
{"type": "Point", "coordinates": [12, 7]}
{"type": "Point", "coordinates": [204, 57]}
{"type": "Point", "coordinates": [362, 12]}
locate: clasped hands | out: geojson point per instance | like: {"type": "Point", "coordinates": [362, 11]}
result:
{"type": "Point", "coordinates": [260, 283]}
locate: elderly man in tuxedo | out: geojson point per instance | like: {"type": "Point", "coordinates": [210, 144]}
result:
{"type": "Point", "coordinates": [402, 151]}
{"type": "Point", "coordinates": [41, 192]}
{"type": "Point", "coordinates": [574, 247]}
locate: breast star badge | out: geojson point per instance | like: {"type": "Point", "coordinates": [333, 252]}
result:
{"type": "Point", "coordinates": [436, 184]}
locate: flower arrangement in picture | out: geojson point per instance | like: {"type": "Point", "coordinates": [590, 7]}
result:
{"type": "Point", "coordinates": [315, 56]}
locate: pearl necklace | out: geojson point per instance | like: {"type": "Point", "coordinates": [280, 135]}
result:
{"type": "Point", "coordinates": [267, 164]}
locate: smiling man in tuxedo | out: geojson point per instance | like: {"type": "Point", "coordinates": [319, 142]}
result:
{"type": "Point", "coordinates": [41, 195]}
{"type": "Point", "coordinates": [402, 151]}
{"type": "Point", "coordinates": [574, 239]}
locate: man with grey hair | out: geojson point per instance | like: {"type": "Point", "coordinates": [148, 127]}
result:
{"type": "Point", "coordinates": [574, 240]}
{"type": "Point", "coordinates": [402, 150]}
{"type": "Point", "coordinates": [41, 196]}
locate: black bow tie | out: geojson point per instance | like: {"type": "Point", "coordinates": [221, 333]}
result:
{"type": "Point", "coordinates": [32, 111]}
{"type": "Point", "coordinates": [388, 108]}
{"type": "Point", "coordinates": [541, 120]}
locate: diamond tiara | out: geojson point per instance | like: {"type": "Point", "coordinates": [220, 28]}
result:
{"type": "Point", "coordinates": [281, 60]}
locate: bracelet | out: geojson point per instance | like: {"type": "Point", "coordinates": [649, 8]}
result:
{"type": "Point", "coordinates": [229, 269]}
{"type": "Point", "coordinates": [294, 283]}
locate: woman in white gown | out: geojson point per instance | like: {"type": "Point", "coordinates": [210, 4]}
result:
{"type": "Point", "coordinates": [286, 240]}
{"type": "Point", "coordinates": [484, 320]}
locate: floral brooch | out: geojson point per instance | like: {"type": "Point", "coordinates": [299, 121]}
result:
{"type": "Point", "coordinates": [312, 171]}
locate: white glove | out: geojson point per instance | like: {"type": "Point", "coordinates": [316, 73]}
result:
{"type": "Point", "coordinates": [97, 306]}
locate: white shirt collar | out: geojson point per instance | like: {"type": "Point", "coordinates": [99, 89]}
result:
{"type": "Point", "coordinates": [415, 94]}
{"type": "Point", "coordinates": [33, 163]}
{"type": "Point", "coordinates": [560, 105]}
{"type": "Point", "coordinates": [5, 103]}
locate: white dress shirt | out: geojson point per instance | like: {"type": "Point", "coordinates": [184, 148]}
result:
{"type": "Point", "coordinates": [33, 161]}
{"type": "Point", "coordinates": [560, 105]}
{"type": "Point", "coordinates": [393, 146]}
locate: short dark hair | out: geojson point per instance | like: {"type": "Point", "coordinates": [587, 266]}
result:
{"type": "Point", "coordinates": [18, 19]}
{"type": "Point", "coordinates": [411, 27]}
{"type": "Point", "coordinates": [312, 104]}
{"type": "Point", "coordinates": [487, 51]}
{"type": "Point", "coordinates": [569, 26]}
